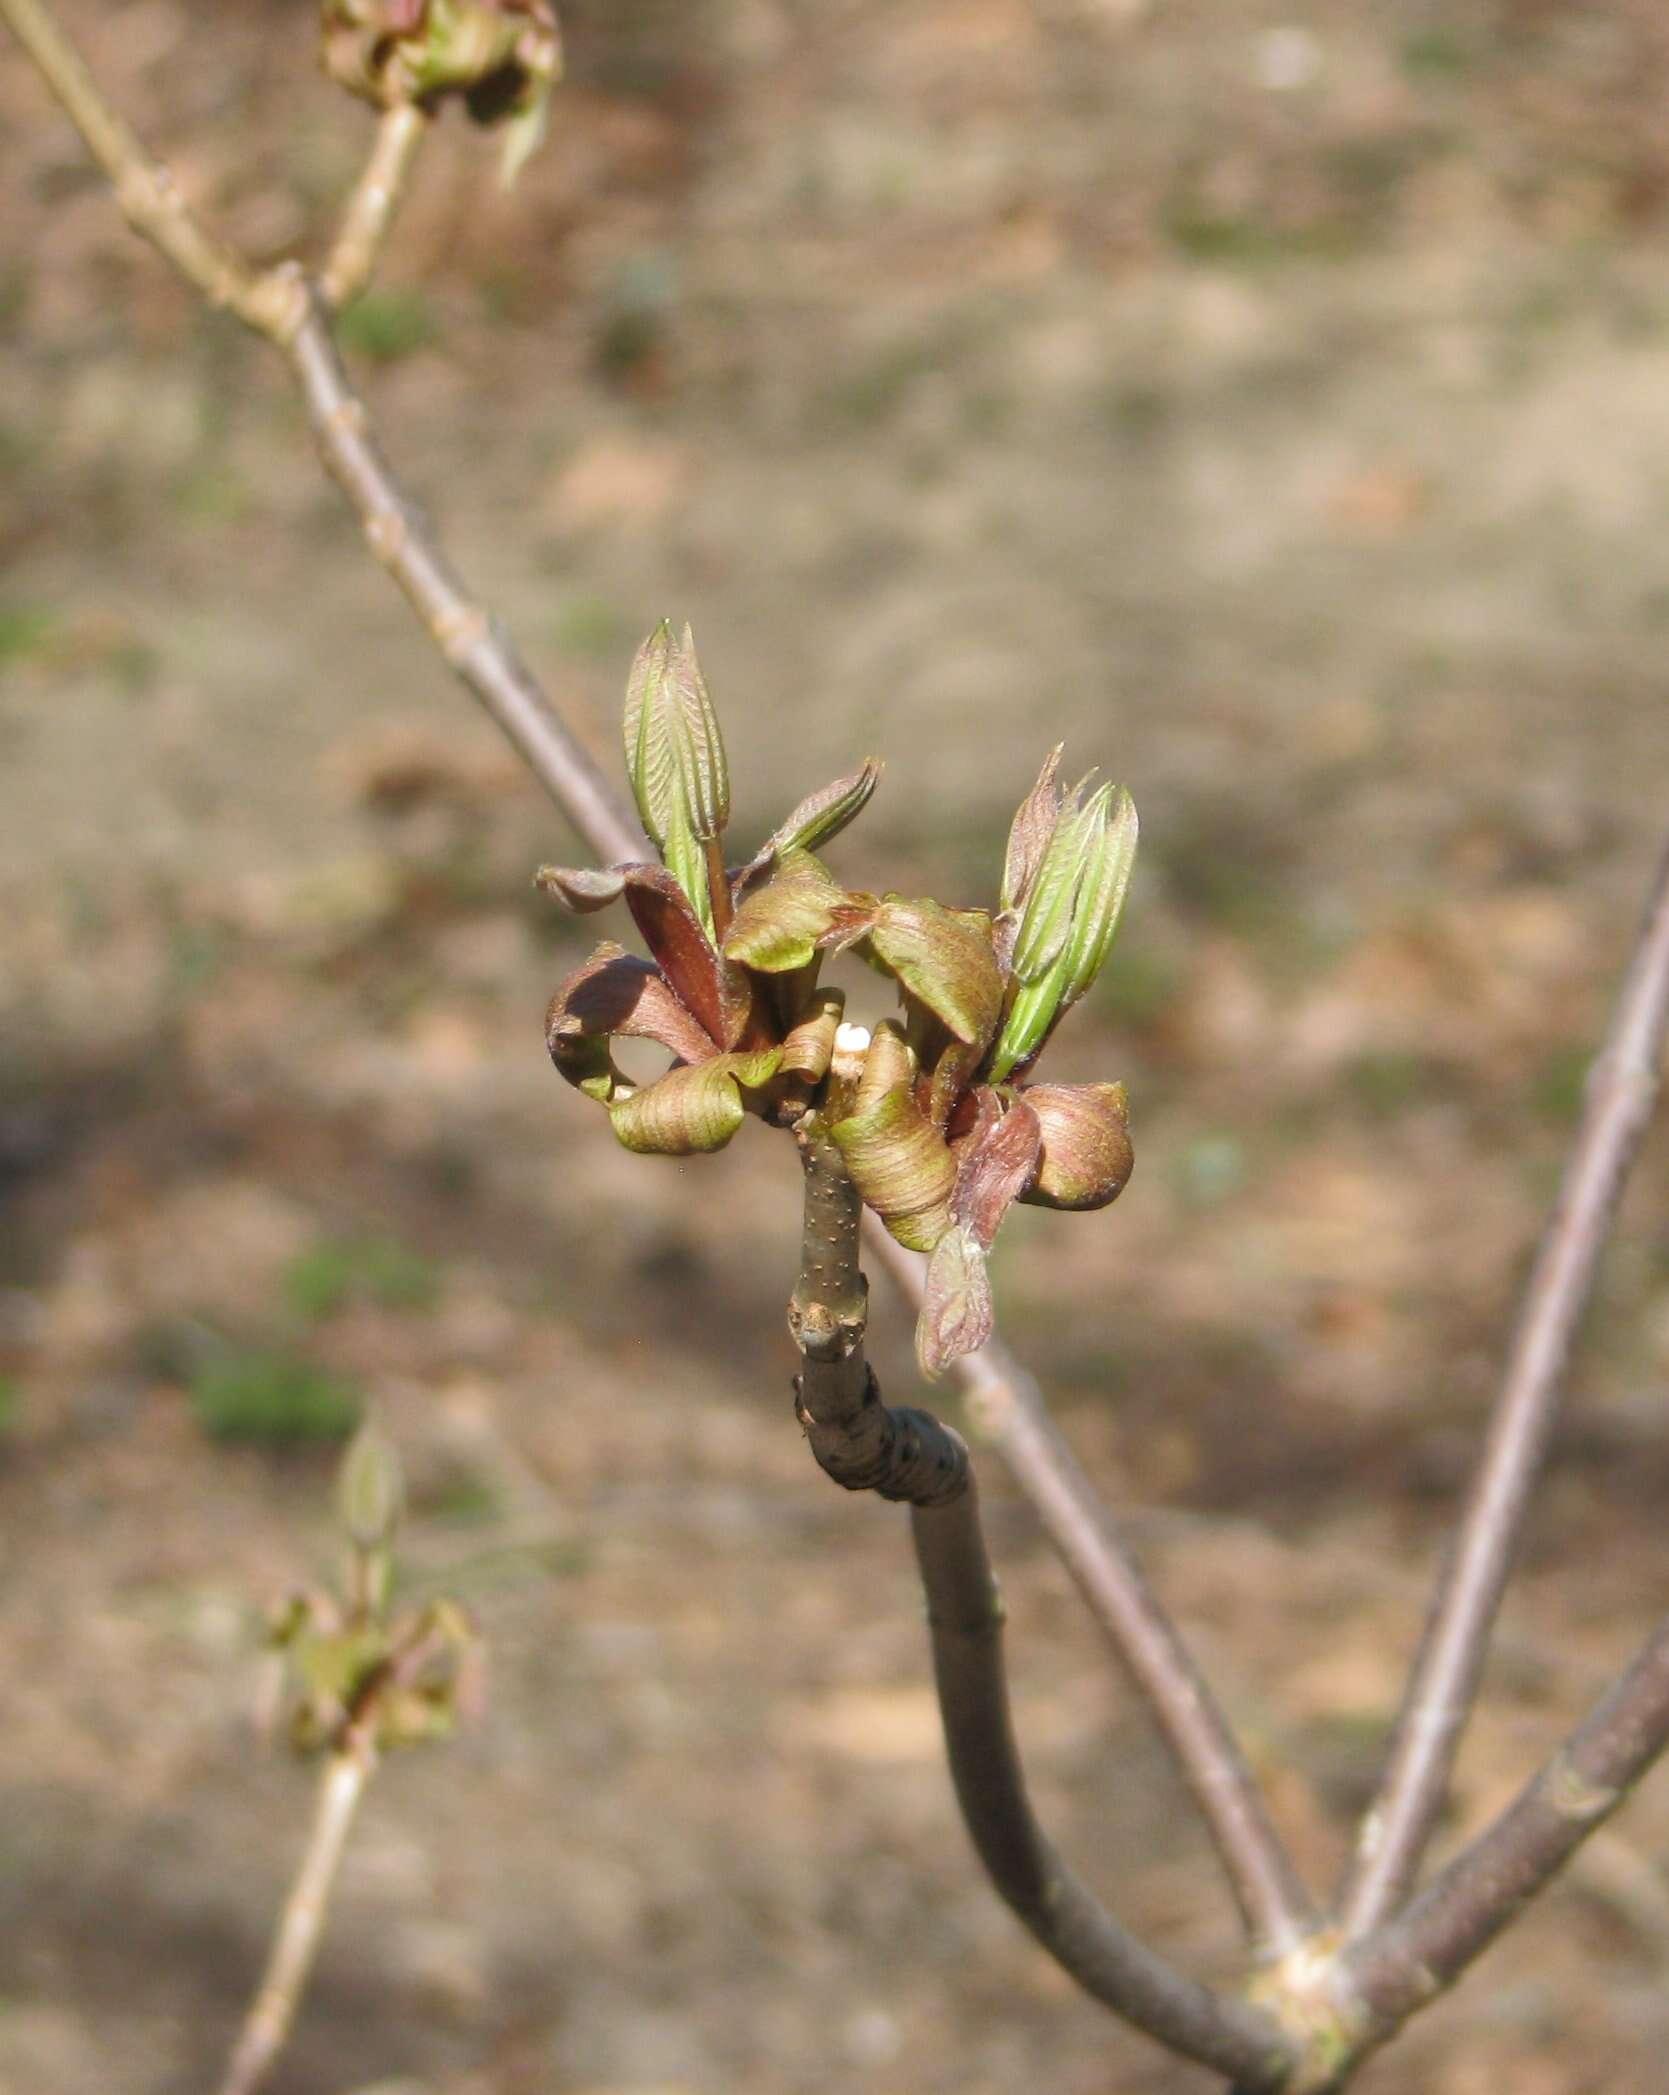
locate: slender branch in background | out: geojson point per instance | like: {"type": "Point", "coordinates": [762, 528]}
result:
{"type": "Point", "coordinates": [1400, 1967]}
{"type": "Point", "coordinates": [147, 192]}
{"type": "Point", "coordinates": [267, 2025]}
{"type": "Point", "coordinates": [1007, 1410]}
{"type": "Point", "coordinates": [371, 208]}
{"type": "Point", "coordinates": [965, 1618]}
{"type": "Point", "coordinates": [1622, 1087]}
{"type": "Point", "coordinates": [474, 646]}
{"type": "Point", "coordinates": [1005, 1398]}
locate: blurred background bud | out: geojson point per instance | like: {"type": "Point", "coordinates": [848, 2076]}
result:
{"type": "Point", "coordinates": [501, 58]}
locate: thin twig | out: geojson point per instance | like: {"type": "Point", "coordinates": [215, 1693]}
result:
{"type": "Point", "coordinates": [301, 1924]}
{"type": "Point", "coordinates": [474, 646]}
{"type": "Point", "coordinates": [965, 1618]}
{"type": "Point", "coordinates": [1622, 1087]}
{"type": "Point", "coordinates": [371, 208]}
{"type": "Point", "coordinates": [1401, 1966]}
{"type": "Point", "coordinates": [147, 192]}
{"type": "Point", "coordinates": [1007, 1400]}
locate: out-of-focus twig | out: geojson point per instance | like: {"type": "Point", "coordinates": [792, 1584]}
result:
{"type": "Point", "coordinates": [371, 208]}
{"type": "Point", "coordinates": [147, 192]}
{"type": "Point", "coordinates": [267, 2026]}
{"type": "Point", "coordinates": [1622, 1088]}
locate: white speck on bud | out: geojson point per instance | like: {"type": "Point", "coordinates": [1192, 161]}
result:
{"type": "Point", "coordinates": [851, 1047]}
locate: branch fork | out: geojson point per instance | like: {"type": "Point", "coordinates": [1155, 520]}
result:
{"type": "Point", "coordinates": [1324, 1997]}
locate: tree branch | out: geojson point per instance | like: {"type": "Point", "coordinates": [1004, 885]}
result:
{"type": "Point", "coordinates": [965, 1619]}
{"type": "Point", "coordinates": [1400, 1967]}
{"type": "Point", "coordinates": [147, 192]}
{"type": "Point", "coordinates": [474, 646]}
{"type": "Point", "coordinates": [267, 2025]}
{"type": "Point", "coordinates": [370, 210]}
{"type": "Point", "coordinates": [909, 1455]}
{"type": "Point", "coordinates": [1622, 1087]}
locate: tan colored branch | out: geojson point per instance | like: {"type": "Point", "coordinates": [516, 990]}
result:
{"type": "Point", "coordinates": [371, 209]}
{"type": "Point", "coordinates": [147, 192]}
{"type": "Point", "coordinates": [300, 1926]}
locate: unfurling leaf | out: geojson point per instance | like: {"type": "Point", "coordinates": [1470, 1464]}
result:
{"type": "Point", "coordinates": [808, 1048]}
{"type": "Point", "coordinates": [1046, 922]}
{"type": "Point", "coordinates": [826, 813]}
{"type": "Point", "coordinates": [500, 57]}
{"type": "Point", "coordinates": [616, 993]}
{"type": "Point", "coordinates": [1070, 916]}
{"type": "Point", "coordinates": [781, 925]}
{"type": "Point", "coordinates": [675, 759]}
{"type": "Point", "coordinates": [692, 1110]}
{"type": "Point", "coordinates": [994, 1164]}
{"type": "Point", "coordinates": [956, 1311]}
{"type": "Point", "coordinates": [1101, 897]}
{"type": "Point", "coordinates": [582, 888]}
{"type": "Point", "coordinates": [1086, 1157]}
{"type": "Point", "coordinates": [900, 1165]}
{"type": "Point", "coordinates": [944, 959]}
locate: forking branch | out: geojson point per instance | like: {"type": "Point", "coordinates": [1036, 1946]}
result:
{"type": "Point", "coordinates": [1335, 2003]}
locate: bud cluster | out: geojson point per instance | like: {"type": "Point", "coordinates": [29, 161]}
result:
{"type": "Point", "coordinates": [939, 1124]}
{"type": "Point", "coordinates": [500, 58]}
{"type": "Point", "coordinates": [354, 1666]}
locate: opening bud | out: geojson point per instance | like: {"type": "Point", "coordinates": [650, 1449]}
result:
{"type": "Point", "coordinates": [370, 1490]}
{"type": "Point", "coordinates": [501, 58]}
{"type": "Point", "coordinates": [1069, 910]}
{"type": "Point", "coordinates": [675, 760]}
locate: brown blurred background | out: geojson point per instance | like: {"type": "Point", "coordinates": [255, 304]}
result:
{"type": "Point", "coordinates": [1274, 401]}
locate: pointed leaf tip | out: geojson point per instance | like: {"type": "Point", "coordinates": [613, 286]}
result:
{"type": "Point", "coordinates": [675, 759]}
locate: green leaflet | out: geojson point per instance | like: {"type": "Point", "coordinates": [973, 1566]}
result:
{"type": "Point", "coordinates": [781, 925]}
{"type": "Point", "coordinates": [944, 958]}
{"type": "Point", "coordinates": [690, 1110]}
{"type": "Point", "coordinates": [674, 750]}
